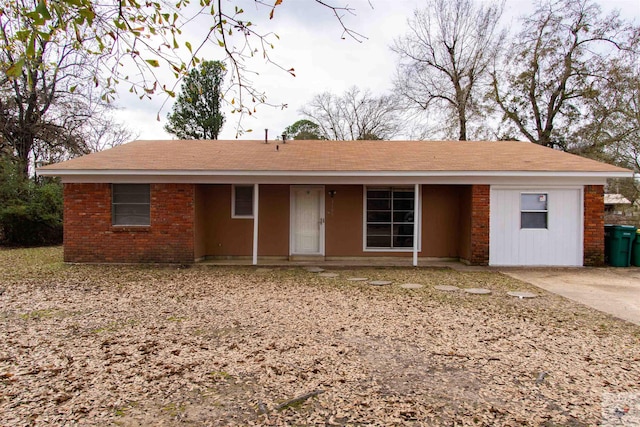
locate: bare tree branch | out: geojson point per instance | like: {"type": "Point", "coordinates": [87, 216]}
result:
{"type": "Point", "coordinates": [445, 57]}
{"type": "Point", "coordinates": [547, 78]}
{"type": "Point", "coordinates": [354, 115]}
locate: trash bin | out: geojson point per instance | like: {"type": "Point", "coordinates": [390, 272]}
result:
{"type": "Point", "coordinates": [618, 241]}
{"type": "Point", "coordinates": [635, 252]}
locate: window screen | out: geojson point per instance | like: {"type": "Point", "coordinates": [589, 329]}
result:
{"type": "Point", "coordinates": [242, 201]}
{"type": "Point", "coordinates": [533, 210]}
{"type": "Point", "coordinates": [390, 213]}
{"type": "Point", "coordinates": [130, 204]}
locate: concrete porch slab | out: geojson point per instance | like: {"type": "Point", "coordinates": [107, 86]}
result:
{"type": "Point", "coordinates": [453, 264]}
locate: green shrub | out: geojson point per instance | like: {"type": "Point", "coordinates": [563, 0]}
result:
{"type": "Point", "coordinates": [30, 212]}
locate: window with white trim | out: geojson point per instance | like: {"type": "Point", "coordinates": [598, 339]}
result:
{"type": "Point", "coordinates": [389, 217]}
{"type": "Point", "coordinates": [534, 210]}
{"type": "Point", "coordinates": [130, 204]}
{"type": "Point", "coordinates": [242, 203]}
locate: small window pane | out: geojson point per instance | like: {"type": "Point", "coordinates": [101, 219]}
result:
{"type": "Point", "coordinates": [131, 215]}
{"type": "Point", "coordinates": [378, 230]}
{"type": "Point", "coordinates": [403, 242]}
{"type": "Point", "coordinates": [533, 219]}
{"type": "Point", "coordinates": [403, 194]}
{"type": "Point", "coordinates": [402, 217]}
{"type": "Point", "coordinates": [131, 193]}
{"type": "Point", "coordinates": [403, 204]}
{"type": "Point", "coordinates": [403, 236]}
{"type": "Point", "coordinates": [378, 194]}
{"type": "Point", "coordinates": [131, 198]}
{"type": "Point", "coordinates": [379, 216]}
{"type": "Point", "coordinates": [131, 204]}
{"type": "Point", "coordinates": [378, 204]}
{"type": "Point", "coordinates": [243, 200]}
{"type": "Point", "coordinates": [378, 235]}
{"type": "Point", "coordinates": [534, 202]}
{"type": "Point", "coordinates": [378, 241]}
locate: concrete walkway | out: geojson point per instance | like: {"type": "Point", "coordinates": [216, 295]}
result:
{"type": "Point", "coordinates": [613, 290]}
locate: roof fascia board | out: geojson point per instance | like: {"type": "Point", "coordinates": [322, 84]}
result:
{"type": "Point", "coordinates": [327, 180]}
{"type": "Point", "coordinates": [341, 174]}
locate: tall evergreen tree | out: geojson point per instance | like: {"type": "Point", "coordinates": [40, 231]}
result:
{"type": "Point", "coordinates": [196, 113]}
{"type": "Point", "coordinates": [303, 129]}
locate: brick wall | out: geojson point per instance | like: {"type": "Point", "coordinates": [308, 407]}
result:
{"type": "Point", "coordinates": [90, 237]}
{"type": "Point", "coordinates": [480, 196]}
{"type": "Point", "coordinates": [593, 225]}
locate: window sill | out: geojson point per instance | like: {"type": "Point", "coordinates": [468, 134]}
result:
{"type": "Point", "coordinates": [131, 228]}
{"type": "Point", "coordinates": [390, 249]}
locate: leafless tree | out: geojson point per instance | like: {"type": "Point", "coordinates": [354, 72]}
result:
{"type": "Point", "coordinates": [48, 106]}
{"type": "Point", "coordinates": [610, 128]}
{"type": "Point", "coordinates": [104, 132]}
{"type": "Point", "coordinates": [357, 114]}
{"type": "Point", "coordinates": [135, 40]}
{"type": "Point", "coordinates": [445, 57]}
{"type": "Point", "coordinates": [544, 84]}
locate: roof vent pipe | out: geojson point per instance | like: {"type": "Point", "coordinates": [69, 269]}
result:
{"type": "Point", "coordinates": [266, 136]}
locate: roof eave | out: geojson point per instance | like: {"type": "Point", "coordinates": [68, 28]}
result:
{"type": "Point", "coordinates": [244, 173]}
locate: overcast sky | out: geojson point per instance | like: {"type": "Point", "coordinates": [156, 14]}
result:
{"type": "Point", "coordinates": [310, 42]}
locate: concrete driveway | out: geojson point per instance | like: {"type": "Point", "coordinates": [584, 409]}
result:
{"type": "Point", "coordinates": [613, 290]}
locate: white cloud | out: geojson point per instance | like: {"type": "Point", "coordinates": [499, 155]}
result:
{"type": "Point", "coordinates": [310, 42]}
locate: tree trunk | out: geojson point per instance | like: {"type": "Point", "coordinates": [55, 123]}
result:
{"type": "Point", "coordinates": [463, 125]}
{"type": "Point", "coordinates": [24, 144]}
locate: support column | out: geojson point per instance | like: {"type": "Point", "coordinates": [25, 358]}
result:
{"type": "Point", "coordinates": [416, 222]}
{"type": "Point", "coordinates": [593, 243]}
{"type": "Point", "coordinates": [256, 196]}
{"type": "Point", "coordinates": [480, 222]}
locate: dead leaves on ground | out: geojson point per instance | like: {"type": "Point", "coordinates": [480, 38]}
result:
{"type": "Point", "coordinates": [235, 346]}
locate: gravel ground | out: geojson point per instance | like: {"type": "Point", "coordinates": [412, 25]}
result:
{"type": "Point", "coordinates": [135, 346]}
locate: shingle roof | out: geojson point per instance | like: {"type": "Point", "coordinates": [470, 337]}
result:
{"type": "Point", "coordinates": [346, 156]}
{"type": "Point", "coordinates": [616, 199]}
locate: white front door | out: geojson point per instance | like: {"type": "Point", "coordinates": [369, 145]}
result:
{"type": "Point", "coordinates": [307, 220]}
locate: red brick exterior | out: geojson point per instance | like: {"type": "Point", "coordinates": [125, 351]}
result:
{"type": "Point", "coordinates": [90, 237]}
{"type": "Point", "coordinates": [480, 200]}
{"type": "Point", "coordinates": [593, 225]}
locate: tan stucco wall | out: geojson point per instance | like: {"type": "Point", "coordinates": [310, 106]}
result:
{"type": "Point", "coordinates": [464, 235]}
{"type": "Point", "coordinates": [441, 221]}
{"type": "Point", "coordinates": [223, 235]}
{"type": "Point", "coordinates": [273, 224]}
{"type": "Point", "coordinates": [343, 216]}
{"type": "Point", "coordinates": [445, 222]}
{"type": "Point", "coordinates": [199, 223]}
{"type": "Point", "coordinates": [220, 235]}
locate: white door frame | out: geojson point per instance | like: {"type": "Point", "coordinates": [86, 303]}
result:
{"type": "Point", "coordinates": [292, 204]}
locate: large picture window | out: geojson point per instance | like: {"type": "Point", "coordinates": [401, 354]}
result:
{"type": "Point", "coordinates": [130, 204]}
{"type": "Point", "coordinates": [242, 203]}
{"type": "Point", "coordinates": [389, 217]}
{"type": "Point", "coordinates": [533, 210]}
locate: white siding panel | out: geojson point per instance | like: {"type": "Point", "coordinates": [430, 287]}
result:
{"type": "Point", "coordinates": [560, 244]}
